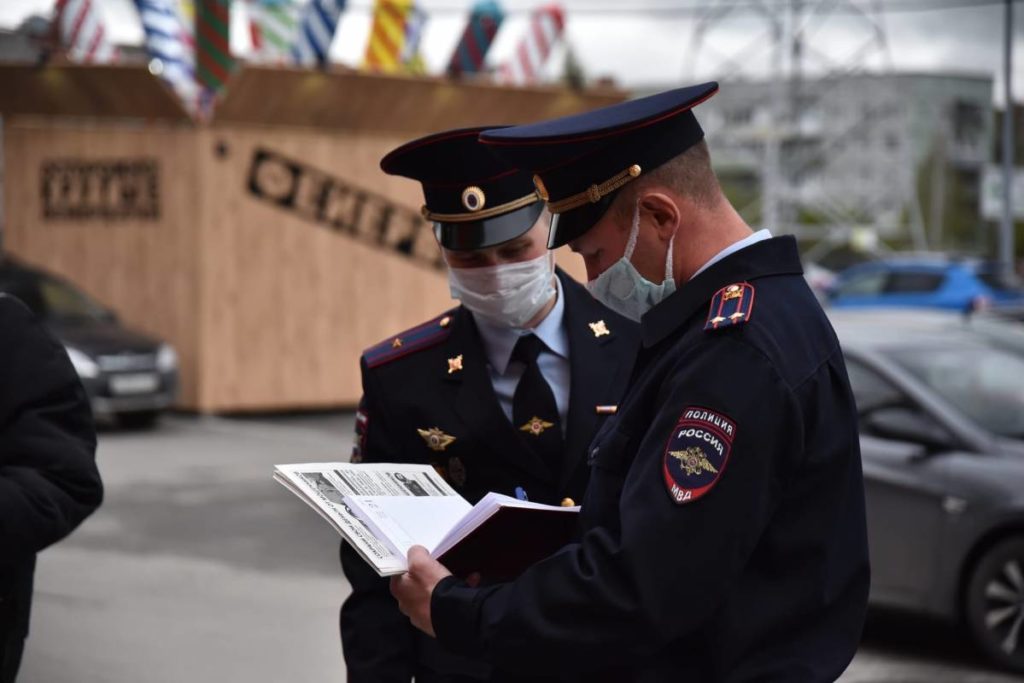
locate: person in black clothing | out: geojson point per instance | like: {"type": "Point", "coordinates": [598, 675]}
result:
{"type": "Point", "coordinates": [502, 393]}
{"type": "Point", "coordinates": [48, 477]}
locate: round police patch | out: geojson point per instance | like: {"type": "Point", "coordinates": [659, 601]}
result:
{"type": "Point", "coordinates": [697, 453]}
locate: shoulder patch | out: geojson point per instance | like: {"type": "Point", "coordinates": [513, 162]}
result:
{"type": "Point", "coordinates": [697, 453]}
{"type": "Point", "coordinates": [430, 333]}
{"type": "Point", "coordinates": [731, 305]}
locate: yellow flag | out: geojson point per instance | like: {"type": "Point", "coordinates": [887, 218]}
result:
{"type": "Point", "coordinates": [385, 51]}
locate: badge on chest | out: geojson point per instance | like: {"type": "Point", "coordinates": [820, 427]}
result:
{"type": "Point", "coordinates": [697, 453]}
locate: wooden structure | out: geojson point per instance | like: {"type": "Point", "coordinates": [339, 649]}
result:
{"type": "Point", "coordinates": [266, 245]}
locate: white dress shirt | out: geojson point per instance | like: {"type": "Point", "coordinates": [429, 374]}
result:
{"type": "Point", "coordinates": [758, 236]}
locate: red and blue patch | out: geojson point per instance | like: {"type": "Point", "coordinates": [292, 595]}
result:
{"type": "Point", "coordinates": [421, 337]}
{"type": "Point", "coordinates": [697, 453]}
{"type": "Point", "coordinates": [731, 305]}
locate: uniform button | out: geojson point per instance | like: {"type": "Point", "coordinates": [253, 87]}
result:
{"type": "Point", "coordinates": [568, 502]}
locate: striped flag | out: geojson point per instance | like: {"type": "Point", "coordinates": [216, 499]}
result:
{"type": "Point", "coordinates": [168, 44]}
{"type": "Point", "coordinates": [386, 48]}
{"type": "Point", "coordinates": [83, 32]}
{"type": "Point", "coordinates": [272, 24]}
{"type": "Point", "coordinates": [415, 24]}
{"type": "Point", "coordinates": [525, 65]}
{"type": "Point", "coordinates": [483, 25]}
{"type": "Point", "coordinates": [316, 31]}
{"type": "Point", "coordinates": [213, 55]}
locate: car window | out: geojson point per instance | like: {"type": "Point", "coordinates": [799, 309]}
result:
{"type": "Point", "coordinates": [61, 300]}
{"type": "Point", "coordinates": [911, 282]}
{"type": "Point", "coordinates": [986, 384]}
{"type": "Point", "coordinates": [871, 390]}
{"type": "Point", "coordinates": [863, 284]}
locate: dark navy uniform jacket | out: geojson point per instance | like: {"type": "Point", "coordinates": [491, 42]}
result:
{"type": "Point", "coordinates": [408, 388]}
{"type": "Point", "coordinates": [724, 530]}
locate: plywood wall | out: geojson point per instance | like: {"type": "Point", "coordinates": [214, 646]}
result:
{"type": "Point", "coordinates": [145, 269]}
{"type": "Point", "coordinates": [268, 307]}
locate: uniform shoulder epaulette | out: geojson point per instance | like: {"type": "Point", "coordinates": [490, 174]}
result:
{"type": "Point", "coordinates": [730, 306]}
{"type": "Point", "coordinates": [430, 333]}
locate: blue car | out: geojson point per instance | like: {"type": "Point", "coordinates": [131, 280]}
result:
{"type": "Point", "coordinates": [928, 282]}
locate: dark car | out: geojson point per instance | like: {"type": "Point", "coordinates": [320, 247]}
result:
{"type": "Point", "coordinates": [942, 437]}
{"type": "Point", "coordinates": [924, 281]}
{"type": "Point", "coordinates": [128, 376]}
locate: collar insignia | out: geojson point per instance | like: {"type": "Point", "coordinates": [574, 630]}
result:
{"type": "Point", "coordinates": [455, 364]}
{"type": "Point", "coordinates": [599, 328]}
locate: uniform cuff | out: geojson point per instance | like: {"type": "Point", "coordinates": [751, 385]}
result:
{"type": "Point", "coordinates": [453, 614]}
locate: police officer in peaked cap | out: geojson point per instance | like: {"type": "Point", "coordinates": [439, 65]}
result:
{"type": "Point", "coordinates": [502, 393]}
{"type": "Point", "coordinates": [723, 529]}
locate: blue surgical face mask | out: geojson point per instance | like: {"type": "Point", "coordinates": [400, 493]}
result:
{"type": "Point", "coordinates": [623, 289]}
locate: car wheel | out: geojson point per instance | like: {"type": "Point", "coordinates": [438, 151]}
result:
{"type": "Point", "coordinates": [995, 603]}
{"type": "Point", "coordinates": [138, 420]}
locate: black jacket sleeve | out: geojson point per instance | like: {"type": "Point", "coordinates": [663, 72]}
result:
{"type": "Point", "coordinates": [48, 477]}
{"type": "Point", "coordinates": [378, 640]}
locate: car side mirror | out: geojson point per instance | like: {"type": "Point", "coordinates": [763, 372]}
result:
{"type": "Point", "coordinates": [906, 424]}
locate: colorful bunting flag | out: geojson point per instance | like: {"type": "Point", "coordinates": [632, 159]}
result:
{"type": "Point", "coordinates": [213, 58]}
{"type": "Point", "coordinates": [167, 42]}
{"type": "Point", "coordinates": [316, 31]}
{"type": "Point", "coordinates": [387, 37]}
{"type": "Point", "coordinates": [484, 22]}
{"type": "Point", "coordinates": [83, 32]}
{"type": "Point", "coordinates": [525, 65]}
{"type": "Point", "coordinates": [272, 24]}
{"type": "Point", "coordinates": [415, 24]}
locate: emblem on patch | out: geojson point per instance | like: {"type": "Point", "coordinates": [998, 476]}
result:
{"type": "Point", "coordinates": [731, 305]}
{"type": "Point", "coordinates": [436, 439]}
{"type": "Point", "coordinates": [696, 453]}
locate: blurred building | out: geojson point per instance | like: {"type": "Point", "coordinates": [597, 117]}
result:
{"type": "Point", "coordinates": [886, 151]}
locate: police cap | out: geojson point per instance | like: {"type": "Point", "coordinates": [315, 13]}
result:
{"type": "Point", "coordinates": [580, 162]}
{"type": "Point", "coordinates": [474, 198]}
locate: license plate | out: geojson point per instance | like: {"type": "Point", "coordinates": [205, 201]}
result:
{"type": "Point", "coordinates": [142, 383]}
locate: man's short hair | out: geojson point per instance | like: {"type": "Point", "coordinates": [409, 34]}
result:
{"type": "Point", "coordinates": [689, 174]}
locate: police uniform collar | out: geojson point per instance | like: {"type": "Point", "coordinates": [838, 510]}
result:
{"type": "Point", "coordinates": [775, 256]}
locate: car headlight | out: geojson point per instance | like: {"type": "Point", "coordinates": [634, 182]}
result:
{"type": "Point", "coordinates": [85, 367]}
{"type": "Point", "coordinates": [166, 358]}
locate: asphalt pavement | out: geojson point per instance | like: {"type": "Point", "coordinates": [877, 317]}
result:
{"type": "Point", "coordinates": [199, 568]}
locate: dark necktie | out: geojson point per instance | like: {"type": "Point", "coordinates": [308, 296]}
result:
{"type": "Point", "coordinates": [534, 410]}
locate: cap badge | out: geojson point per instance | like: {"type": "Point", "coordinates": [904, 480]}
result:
{"type": "Point", "coordinates": [455, 364]}
{"type": "Point", "coordinates": [542, 190]}
{"type": "Point", "coordinates": [473, 198]}
{"type": "Point", "coordinates": [599, 328]}
{"type": "Point", "coordinates": [435, 438]}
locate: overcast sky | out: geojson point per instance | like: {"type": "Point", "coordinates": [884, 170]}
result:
{"type": "Point", "coordinates": [642, 48]}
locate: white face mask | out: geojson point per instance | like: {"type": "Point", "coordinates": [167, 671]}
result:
{"type": "Point", "coordinates": [509, 294]}
{"type": "Point", "coordinates": [623, 289]}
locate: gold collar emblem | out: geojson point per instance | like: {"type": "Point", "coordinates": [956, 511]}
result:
{"type": "Point", "coordinates": [599, 328]}
{"type": "Point", "coordinates": [396, 343]}
{"type": "Point", "coordinates": [536, 426]}
{"type": "Point", "coordinates": [436, 439]}
{"type": "Point", "coordinates": [455, 364]}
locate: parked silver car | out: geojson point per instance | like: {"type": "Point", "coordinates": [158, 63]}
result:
{"type": "Point", "coordinates": [941, 403]}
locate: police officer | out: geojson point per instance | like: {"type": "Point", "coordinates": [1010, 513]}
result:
{"type": "Point", "coordinates": [502, 393]}
{"type": "Point", "coordinates": [724, 530]}
{"type": "Point", "coordinates": [48, 477]}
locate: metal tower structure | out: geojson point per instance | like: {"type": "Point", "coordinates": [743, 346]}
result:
{"type": "Point", "coordinates": [802, 50]}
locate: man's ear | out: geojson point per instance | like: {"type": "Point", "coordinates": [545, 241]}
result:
{"type": "Point", "coordinates": [663, 213]}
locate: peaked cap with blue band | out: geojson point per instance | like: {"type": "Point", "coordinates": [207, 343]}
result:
{"type": "Point", "coordinates": [580, 162]}
{"type": "Point", "coordinates": [474, 198]}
